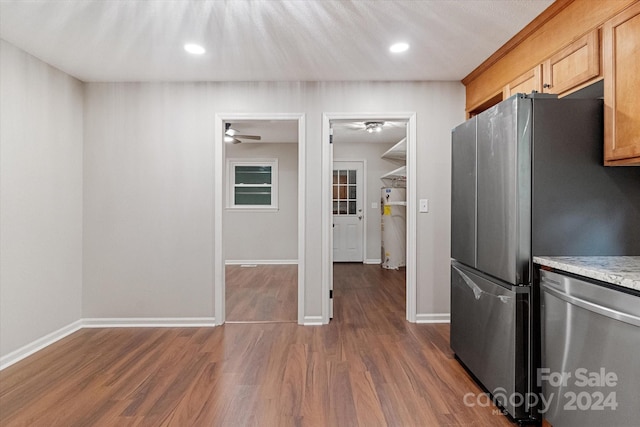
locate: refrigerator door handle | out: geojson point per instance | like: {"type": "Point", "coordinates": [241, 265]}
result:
{"type": "Point", "coordinates": [477, 292]}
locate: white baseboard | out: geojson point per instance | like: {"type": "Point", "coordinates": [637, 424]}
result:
{"type": "Point", "coordinates": [27, 350]}
{"type": "Point", "coordinates": [433, 318]}
{"type": "Point", "coordinates": [373, 261]}
{"type": "Point", "coordinates": [149, 322]}
{"type": "Point", "coordinates": [261, 262]}
{"type": "Point", "coordinates": [134, 322]}
{"type": "Point", "coordinates": [312, 321]}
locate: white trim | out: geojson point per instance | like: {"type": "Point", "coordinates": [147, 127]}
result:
{"type": "Point", "coordinates": [433, 318]}
{"type": "Point", "coordinates": [231, 163]}
{"type": "Point", "coordinates": [302, 211]}
{"type": "Point", "coordinates": [125, 322]}
{"type": "Point", "coordinates": [255, 208]}
{"type": "Point", "coordinates": [373, 261]}
{"type": "Point", "coordinates": [313, 320]}
{"type": "Point", "coordinates": [37, 345]}
{"type": "Point", "coordinates": [326, 228]}
{"type": "Point", "coordinates": [219, 203]}
{"type": "Point", "coordinates": [149, 322]}
{"type": "Point", "coordinates": [261, 261]}
{"type": "Point", "coordinates": [326, 240]}
{"type": "Point", "coordinates": [412, 184]}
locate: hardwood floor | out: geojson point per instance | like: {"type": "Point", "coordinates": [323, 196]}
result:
{"type": "Point", "coordinates": [264, 293]}
{"type": "Point", "coordinates": [368, 367]}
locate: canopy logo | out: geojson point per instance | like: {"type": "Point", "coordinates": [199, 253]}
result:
{"type": "Point", "coordinates": [594, 392]}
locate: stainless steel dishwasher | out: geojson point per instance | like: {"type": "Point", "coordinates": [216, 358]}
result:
{"type": "Point", "coordinates": [590, 353]}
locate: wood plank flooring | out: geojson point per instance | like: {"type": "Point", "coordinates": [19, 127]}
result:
{"type": "Point", "coordinates": [368, 367]}
{"type": "Point", "coordinates": [264, 293]}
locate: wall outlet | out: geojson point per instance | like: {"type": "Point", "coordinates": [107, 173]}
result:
{"type": "Point", "coordinates": [424, 205]}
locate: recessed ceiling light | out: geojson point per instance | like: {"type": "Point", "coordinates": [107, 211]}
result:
{"type": "Point", "coordinates": [399, 47]}
{"type": "Point", "coordinates": [196, 49]}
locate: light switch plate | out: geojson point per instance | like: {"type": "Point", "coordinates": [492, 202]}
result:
{"type": "Point", "coordinates": [374, 205]}
{"type": "Point", "coordinates": [424, 205]}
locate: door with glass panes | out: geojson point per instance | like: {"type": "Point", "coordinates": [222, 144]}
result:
{"type": "Point", "coordinates": [348, 214]}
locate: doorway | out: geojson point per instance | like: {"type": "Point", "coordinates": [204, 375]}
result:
{"type": "Point", "coordinates": [258, 191]}
{"type": "Point", "coordinates": [371, 205]}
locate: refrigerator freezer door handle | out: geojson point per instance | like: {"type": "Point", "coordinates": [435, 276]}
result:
{"type": "Point", "coordinates": [477, 292]}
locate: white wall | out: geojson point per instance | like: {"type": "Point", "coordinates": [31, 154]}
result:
{"type": "Point", "coordinates": [376, 167]}
{"type": "Point", "coordinates": [265, 236]}
{"type": "Point", "coordinates": [148, 188]}
{"type": "Point", "coordinates": [40, 199]}
{"type": "Point", "coordinates": [148, 201]}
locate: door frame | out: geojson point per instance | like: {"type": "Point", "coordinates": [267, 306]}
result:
{"type": "Point", "coordinates": [219, 174]}
{"type": "Point", "coordinates": [327, 213]}
{"type": "Point", "coordinates": [364, 202]}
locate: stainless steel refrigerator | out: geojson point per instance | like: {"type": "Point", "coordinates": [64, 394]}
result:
{"type": "Point", "coordinates": [527, 179]}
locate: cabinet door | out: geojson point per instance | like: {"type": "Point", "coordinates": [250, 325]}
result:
{"type": "Point", "coordinates": [621, 45]}
{"type": "Point", "coordinates": [526, 83]}
{"type": "Point", "coordinates": [572, 66]}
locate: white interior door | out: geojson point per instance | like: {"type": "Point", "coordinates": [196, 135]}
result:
{"type": "Point", "coordinates": [348, 212]}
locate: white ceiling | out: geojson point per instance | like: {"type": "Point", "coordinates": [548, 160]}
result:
{"type": "Point", "coordinates": [264, 40]}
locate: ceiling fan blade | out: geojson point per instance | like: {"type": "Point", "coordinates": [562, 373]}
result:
{"type": "Point", "coordinates": [236, 141]}
{"type": "Point", "coordinates": [256, 137]}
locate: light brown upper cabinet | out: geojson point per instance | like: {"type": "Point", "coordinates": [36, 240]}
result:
{"type": "Point", "coordinates": [621, 48]}
{"type": "Point", "coordinates": [573, 66]}
{"type": "Point", "coordinates": [526, 83]}
{"type": "Point", "coordinates": [569, 69]}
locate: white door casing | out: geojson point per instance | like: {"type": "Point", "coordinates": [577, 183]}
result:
{"type": "Point", "coordinates": [218, 202]}
{"type": "Point", "coordinates": [327, 217]}
{"type": "Point", "coordinates": [348, 211]}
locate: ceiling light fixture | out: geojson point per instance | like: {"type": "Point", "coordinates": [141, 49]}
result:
{"type": "Point", "coordinates": [196, 49]}
{"type": "Point", "coordinates": [373, 126]}
{"type": "Point", "coordinates": [399, 47]}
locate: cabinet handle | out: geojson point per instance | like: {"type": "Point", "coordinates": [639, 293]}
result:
{"type": "Point", "coordinates": [546, 86]}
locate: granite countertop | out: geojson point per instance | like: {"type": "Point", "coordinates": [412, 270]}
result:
{"type": "Point", "coordinates": [618, 270]}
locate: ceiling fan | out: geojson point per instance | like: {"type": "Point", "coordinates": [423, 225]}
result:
{"type": "Point", "coordinates": [232, 135]}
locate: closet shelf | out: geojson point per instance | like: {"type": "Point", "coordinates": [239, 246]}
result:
{"type": "Point", "coordinates": [397, 174]}
{"type": "Point", "coordinates": [398, 152]}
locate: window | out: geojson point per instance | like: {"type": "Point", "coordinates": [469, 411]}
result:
{"type": "Point", "coordinates": [344, 192]}
{"type": "Point", "coordinates": [253, 184]}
